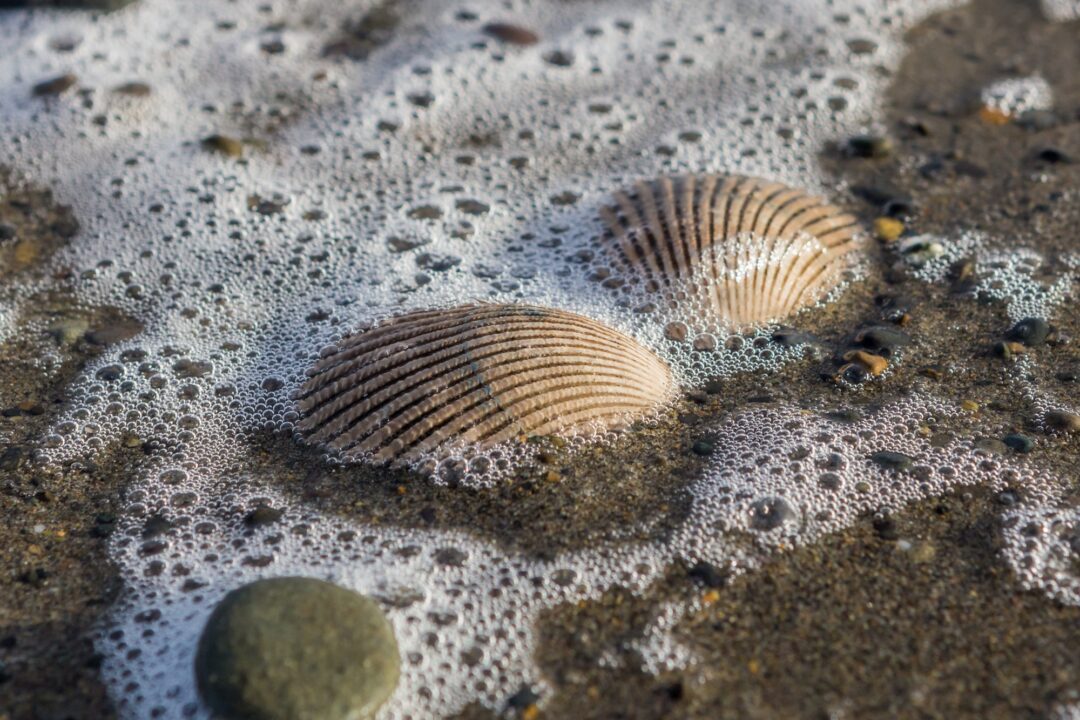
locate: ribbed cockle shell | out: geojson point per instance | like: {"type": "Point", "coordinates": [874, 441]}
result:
{"type": "Point", "coordinates": [737, 250]}
{"type": "Point", "coordinates": [479, 375]}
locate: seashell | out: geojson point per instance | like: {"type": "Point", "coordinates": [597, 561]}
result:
{"type": "Point", "coordinates": [740, 251]}
{"type": "Point", "coordinates": [476, 374]}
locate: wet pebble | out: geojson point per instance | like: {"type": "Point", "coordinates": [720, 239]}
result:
{"type": "Point", "coordinates": [1029, 331]}
{"type": "Point", "coordinates": [1020, 443]}
{"type": "Point", "coordinates": [511, 34]}
{"type": "Point", "coordinates": [893, 460]}
{"type": "Point", "coordinates": [888, 229]}
{"type": "Point", "coordinates": [223, 144]}
{"type": "Point", "coordinates": [1062, 421]}
{"type": "Point", "coordinates": [55, 86]}
{"type": "Point", "coordinates": [703, 448]}
{"type": "Point", "coordinates": [869, 146]}
{"type": "Point", "coordinates": [295, 647]}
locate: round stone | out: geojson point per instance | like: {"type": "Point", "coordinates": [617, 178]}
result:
{"type": "Point", "coordinates": [296, 648]}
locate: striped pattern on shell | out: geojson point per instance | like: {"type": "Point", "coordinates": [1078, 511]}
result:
{"type": "Point", "coordinates": [740, 250]}
{"type": "Point", "coordinates": [479, 375]}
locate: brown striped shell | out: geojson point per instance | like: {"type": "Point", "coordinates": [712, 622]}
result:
{"type": "Point", "coordinates": [479, 375]}
{"type": "Point", "coordinates": [740, 251]}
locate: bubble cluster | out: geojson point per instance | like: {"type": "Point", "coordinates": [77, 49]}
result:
{"type": "Point", "coordinates": [1042, 546]}
{"type": "Point", "coordinates": [1014, 96]}
{"type": "Point", "coordinates": [1006, 276]}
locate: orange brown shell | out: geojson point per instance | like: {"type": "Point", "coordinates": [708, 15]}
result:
{"type": "Point", "coordinates": [739, 250]}
{"type": "Point", "coordinates": [475, 375]}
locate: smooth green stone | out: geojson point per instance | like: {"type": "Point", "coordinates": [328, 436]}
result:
{"type": "Point", "coordinates": [296, 649]}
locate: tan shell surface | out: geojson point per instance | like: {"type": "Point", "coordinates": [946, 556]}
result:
{"type": "Point", "coordinates": [740, 250]}
{"type": "Point", "coordinates": [479, 375]}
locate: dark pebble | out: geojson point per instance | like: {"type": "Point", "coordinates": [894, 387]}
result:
{"type": "Point", "coordinates": [262, 515]}
{"type": "Point", "coordinates": [1019, 443]}
{"type": "Point", "coordinates": [869, 146]}
{"type": "Point", "coordinates": [708, 574]}
{"type": "Point", "coordinates": [704, 448]}
{"type": "Point", "coordinates": [893, 460]}
{"type": "Point", "coordinates": [1053, 156]}
{"type": "Point", "coordinates": [55, 86]}
{"type": "Point", "coordinates": [559, 58]}
{"type": "Point", "coordinates": [512, 34]}
{"type": "Point", "coordinates": [883, 340]}
{"type": "Point", "coordinates": [1029, 331]}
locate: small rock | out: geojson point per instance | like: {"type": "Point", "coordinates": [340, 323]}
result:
{"type": "Point", "coordinates": [1006, 350]}
{"type": "Point", "coordinates": [893, 460]}
{"type": "Point", "coordinates": [511, 34]}
{"type": "Point", "coordinates": [703, 448]}
{"type": "Point", "coordinates": [708, 574]}
{"type": "Point", "coordinates": [134, 89]}
{"type": "Point", "coordinates": [1053, 156]}
{"type": "Point", "coordinates": [1020, 443]}
{"type": "Point", "coordinates": [228, 146]}
{"type": "Point", "coordinates": [1062, 421]}
{"type": "Point", "coordinates": [262, 515]}
{"type": "Point", "coordinates": [888, 229]}
{"type": "Point", "coordinates": [55, 86]}
{"type": "Point", "coordinates": [874, 364]}
{"type": "Point", "coordinates": [7, 232]}
{"type": "Point", "coordinates": [869, 146]}
{"type": "Point", "coordinates": [425, 212]}
{"type": "Point", "coordinates": [882, 340]}
{"type": "Point", "coordinates": [559, 58]}
{"type": "Point", "coordinates": [296, 647]}
{"type": "Point", "coordinates": [472, 207]}
{"type": "Point", "coordinates": [1029, 331]}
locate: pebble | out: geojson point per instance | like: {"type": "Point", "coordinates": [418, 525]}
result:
{"type": "Point", "coordinates": [1053, 156]}
{"type": "Point", "coordinates": [708, 574]}
{"type": "Point", "coordinates": [883, 340]}
{"type": "Point", "coordinates": [228, 146]}
{"type": "Point", "coordinates": [1063, 421]}
{"type": "Point", "coordinates": [874, 364]}
{"type": "Point", "coordinates": [869, 146]}
{"type": "Point", "coordinates": [296, 647]}
{"type": "Point", "coordinates": [888, 229]}
{"type": "Point", "coordinates": [704, 448]}
{"type": "Point", "coordinates": [1006, 350]}
{"type": "Point", "coordinates": [893, 460]}
{"type": "Point", "coordinates": [511, 34]}
{"type": "Point", "coordinates": [55, 86]}
{"type": "Point", "coordinates": [1020, 443]}
{"type": "Point", "coordinates": [134, 89]}
{"type": "Point", "coordinates": [68, 331]}
{"type": "Point", "coordinates": [1029, 331]}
